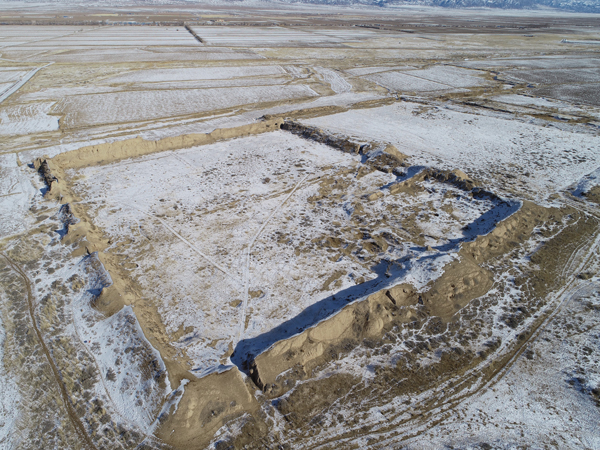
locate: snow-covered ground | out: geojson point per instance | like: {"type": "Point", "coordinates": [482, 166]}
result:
{"type": "Point", "coordinates": [277, 36]}
{"type": "Point", "coordinates": [369, 70]}
{"type": "Point", "coordinates": [9, 399]}
{"type": "Point", "coordinates": [587, 183]}
{"type": "Point", "coordinates": [542, 160]}
{"type": "Point", "coordinates": [233, 228]}
{"type": "Point", "coordinates": [119, 349]}
{"type": "Point", "coordinates": [11, 76]}
{"type": "Point", "coordinates": [41, 37]}
{"type": "Point", "coordinates": [16, 192]}
{"type": "Point", "coordinates": [435, 78]}
{"type": "Point", "coordinates": [128, 106]}
{"type": "Point", "coordinates": [197, 73]}
{"type": "Point", "coordinates": [335, 80]}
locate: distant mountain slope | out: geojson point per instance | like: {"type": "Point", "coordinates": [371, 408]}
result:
{"type": "Point", "coordinates": [590, 6]}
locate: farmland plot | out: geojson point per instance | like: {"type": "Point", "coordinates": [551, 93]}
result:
{"type": "Point", "coordinates": [11, 76]}
{"type": "Point", "coordinates": [406, 82]}
{"type": "Point", "coordinates": [130, 106]}
{"type": "Point", "coordinates": [256, 37]}
{"type": "Point", "coordinates": [27, 118]}
{"type": "Point", "coordinates": [200, 73]}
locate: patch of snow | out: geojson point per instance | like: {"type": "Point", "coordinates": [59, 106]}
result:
{"type": "Point", "coordinates": [127, 362]}
{"type": "Point", "coordinates": [523, 100]}
{"type": "Point", "coordinates": [196, 73]}
{"type": "Point", "coordinates": [587, 183]}
{"type": "Point", "coordinates": [28, 118]}
{"type": "Point", "coordinates": [540, 159]}
{"type": "Point", "coordinates": [16, 191]}
{"type": "Point", "coordinates": [359, 71]}
{"type": "Point", "coordinates": [11, 76]}
{"type": "Point", "coordinates": [405, 82]}
{"type": "Point", "coordinates": [335, 80]}
{"type": "Point", "coordinates": [131, 106]}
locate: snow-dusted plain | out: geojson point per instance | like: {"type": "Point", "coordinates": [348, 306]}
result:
{"type": "Point", "coordinates": [436, 78]}
{"type": "Point", "coordinates": [277, 36]}
{"type": "Point", "coordinates": [189, 74]}
{"type": "Point", "coordinates": [129, 106]}
{"type": "Point", "coordinates": [539, 159]}
{"type": "Point", "coordinates": [28, 118]}
{"type": "Point", "coordinates": [236, 245]}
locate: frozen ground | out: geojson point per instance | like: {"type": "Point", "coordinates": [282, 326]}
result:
{"type": "Point", "coordinates": [27, 118]}
{"type": "Point", "coordinates": [587, 183]}
{"type": "Point", "coordinates": [436, 78]}
{"type": "Point", "coordinates": [535, 159]}
{"type": "Point", "coordinates": [9, 400]}
{"type": "Point", "coordinates": [80, 37]}
{"type": "Point", "coordinates": [17, 190]}
{"type": "Point", "coordinates": [335, 80]}
{"type": "Point", "coordinates": [189, 74]}
{"type": "Point", "coordinates": [202, 215]}
{"type": "Point", "coordinates": [129, 106]}
{"type": "Point", "coordinates": [277, 36]}
{"type": "Point", "coordinates": [77, 44]}
{"type": "Point", "coordinates": [546, 393]}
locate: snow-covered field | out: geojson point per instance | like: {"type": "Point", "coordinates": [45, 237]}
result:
{"type": "Point", "coordinates": [27, 118]}
{"type": "Point", "coordinates": [369, 70]}
{"type": "Point", "coordinates": [11, 76]}
{"type": "Point", "coordinates": [16, 192]}
{"type": "Point", "coordinates": [130, 106]}
{"type": "Point", "coordinates": [542, 160]}
{"type": "Point", "coordinates": [338, 84]}
{"type": "Point", "coordinates": [200, 73]}
{"type": "Point", "coordinates": [278, 36]}
{"type": "Point", "coordinates": [240, 244]}
{"type": "Point", "coordinates": [538, 62]}
{"type": "Point", "coordinates": [406, 82]}
{"type": "Point", "coordinates": [43, 37]}
{"type": "Point", "coordinates": [79, 44]}
{"type": "Point", "coordinates": [435, 78]}
{"type": "Point", "coordinates": [9, 400]}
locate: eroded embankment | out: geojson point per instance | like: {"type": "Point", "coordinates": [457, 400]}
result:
{"type": "Point", "coordinates": [131, 148]}
{"type": "Point", "coordinates": [279, 368]}
{"type": "Point", "coordinates": [379, 155]}
{"type": "Point", "coordinates": [212, 401]}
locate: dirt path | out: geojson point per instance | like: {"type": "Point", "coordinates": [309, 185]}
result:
{"type": "Point", "coordinates": [77, 424]}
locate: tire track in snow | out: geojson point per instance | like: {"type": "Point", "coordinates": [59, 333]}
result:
{"type": "Point", "coordinates": [192, 246]}
{"type": "Point", "coordinates": [77, 424]}
{"type": "Point", "coordinates": [249, 250]}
